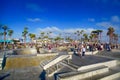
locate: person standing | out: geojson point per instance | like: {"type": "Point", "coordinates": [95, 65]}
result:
{"type": "Point", "coordinates": [79, 51]}
{"type": "Point", "coordinates": [83, 50]}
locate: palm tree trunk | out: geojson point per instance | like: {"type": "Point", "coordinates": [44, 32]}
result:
{"type": "Point", "coordinates": [100, 37]}
{"type": "Point", "coordinates": [25, 41]}
{"type": "Point", "coordinates": [4, 40]}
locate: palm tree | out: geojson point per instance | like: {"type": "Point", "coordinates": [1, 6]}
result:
{"type": "Point", "coordinates": [32, 36]}
{"type": "Point", "coordinates": [0, 27]}
{"type": "Point", "coordinates": [110, 33]}
{"type": "Point", "coordinates": [90, 37]}
{"type": "Point", "coordinates": [85, 37]}
{"type": "Point", "coordinates": [46, 37]}
{"type": "Point", "coordinates": [78, 33]}
{"type": "Point", "coordinates": [24, 34]}
{"type": "Point", "coordinates": [10, 33]}
{"type": "Point", "coordinates": [42, 34]}
{"type": "Point", "coordinates": [68, 39]}
{"type": "Point", "coordinates": [1, 34]}
{"type": "Point", "coordinates": [100, 33]}
{"type": "Point", "coordinates": [115, 37]}
{"type": "Point", "coordinates": [81, 32]}
{"type": "Point", "coordinates": [95, 35]}
{"type": "Point", "coordinates": [5, 28]}
{"type": "Point", "coordinates": [75, 35]}
{"type": "Point", "coordinates": [58, 38]}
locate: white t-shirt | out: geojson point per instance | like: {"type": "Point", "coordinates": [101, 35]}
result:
{"type": "Point", "coordinates": [83, 49]}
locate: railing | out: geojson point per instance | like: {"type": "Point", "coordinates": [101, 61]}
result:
{"type": "Point", "coordinates": [54, 61]}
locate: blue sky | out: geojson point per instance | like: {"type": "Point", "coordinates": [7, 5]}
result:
{"type": "Point", "coordinates": [59, 15]}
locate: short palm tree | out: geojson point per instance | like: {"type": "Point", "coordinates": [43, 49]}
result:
{"type": "Point", "coordinates": [85, 37]}
{"type": "Point", "coordinates": [90, 38]}
{"type": "Point", "coordinates": [1, 34]}
{"type": "Point", "coordinates": [42, 35]}
{"type": "Point", "coordinates": [110, 34]}
{"type": "Point", "coordinates": [115, 37]}
{"type": "Point", "coordinates": [10, 33]}
{"type": "Point", "coordinates": [32, 36]}
{"type": "Point", "coordinates": [95, 35]}
{"type": "Point", "coordinates": [100, 33]}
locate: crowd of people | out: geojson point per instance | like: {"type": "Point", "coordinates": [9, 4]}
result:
{"type": "Point", "coordinates": [76, 47]}
{"type": "Point", "coordinates": [81, 48]}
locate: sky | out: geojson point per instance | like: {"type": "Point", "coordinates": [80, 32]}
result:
{"type": "Point", "coordinates": [60, 16]}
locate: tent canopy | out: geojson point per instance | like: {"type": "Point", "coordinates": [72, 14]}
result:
{"type": "Point", "coordinates": [7, 41]}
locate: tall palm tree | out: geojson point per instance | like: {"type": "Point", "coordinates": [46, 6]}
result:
{"type": "Point", "coordinates": [110, 33]}
{"type": "Point", "coordinates": [75, 35]}
{"type": "Point", "coordinates": [81, 32]}
{"type": "Point", "coordinates": [78, 34]}
{"type": "Point", "coordinates": [24, 34]}
{"type": "Point", "coordinates": [5, 28]}
{"type": "Point", "coordinates": [1, 33]}
{"type": "Point", "coordinates": [10, 33]}
{"type": "Point", "coordinates": [0, 27]}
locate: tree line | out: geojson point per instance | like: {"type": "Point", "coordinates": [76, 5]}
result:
{"type": "Point", "coordinates": [80, 35]}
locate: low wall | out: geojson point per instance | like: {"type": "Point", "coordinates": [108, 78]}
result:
{"type": "Point", "coordinates": [25, 51]}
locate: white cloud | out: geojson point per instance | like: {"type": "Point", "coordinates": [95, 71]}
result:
{"type": "Point", "coordinates": [104, 24]}
{"type": "Point", "coordinates": [48, 29]}
{"type": "Point", "coordinates": [115, 19]}
{"type": "Point", "coordinates": [56, 31]}
{"type": "Point", "coordinates": [91, 19]}
{"type": "Point", "coordinates": [34, 19]}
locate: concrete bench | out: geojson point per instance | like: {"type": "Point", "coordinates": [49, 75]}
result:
{"type": "Point", "coordinates": [84, 74]}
